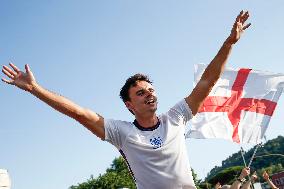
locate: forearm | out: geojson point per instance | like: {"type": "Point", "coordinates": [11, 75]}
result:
{"type": "Point", "coordinates": [246, 185]}
{"type": "Point", "coordinates": [236, 185]}
{"type": "Point", "coordinates": [57, 102]}
{"type": "Point", "coordinates": [271, 184]}
{"type": "Point", "coordinates": [88, 118]}
{"type": "Point", "coordinates": [217, 65]}
{"type": "Point", "coordinates": [209, 77]}
{"type": "Point", "coordinates": [27, 82]}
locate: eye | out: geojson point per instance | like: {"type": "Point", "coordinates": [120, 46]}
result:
{"type": "Point", "coordinates": [140, 93]}
{"type": "Point", "coordinates": [151, 90]}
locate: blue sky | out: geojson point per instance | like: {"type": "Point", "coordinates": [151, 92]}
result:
{"type": "Point", "coordinates": [85, 50]}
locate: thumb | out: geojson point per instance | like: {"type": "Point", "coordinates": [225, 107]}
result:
{"type": "Point", "coordinates": [28, 70]}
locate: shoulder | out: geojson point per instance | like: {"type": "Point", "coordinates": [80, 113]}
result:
{"type": "Point", "coordinates": [118, 123]}
{"type": "Point", "coordinates": [181, 108]}
{"type": "Point", "coordinates": [116, 131]}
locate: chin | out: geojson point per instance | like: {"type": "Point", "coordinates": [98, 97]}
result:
{"type": "Point", "coordinates": [154, 109]}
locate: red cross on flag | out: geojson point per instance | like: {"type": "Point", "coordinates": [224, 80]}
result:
{"type": "Point", "coordinates": [239, 107]}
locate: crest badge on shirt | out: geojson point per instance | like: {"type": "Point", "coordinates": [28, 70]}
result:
{"type": "Point", "coordinates": [156, 142]}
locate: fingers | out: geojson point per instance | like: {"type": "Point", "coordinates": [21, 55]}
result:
{"type": "Point", "coordinates": [240, 21]}
{"type": "Point", "coordinates": [265, 175]}
{"type": "Point", "coordinates": [27, 68]}
{"type": "Point", "coordinates": [245, 16]}
{"type": "Point", "coordinates": [246, 26]}
{"type": "Point", "coordinates": [254, 176]}
{"type": "Point", "coordinates": [246, 171]}
{"type": "Point", "coordinates": [7, 81]}
{"type": "Point", "coordinates": [239, 16]}
{"type": "Point", "coordinates": [16, 69]}
{"type": "Point", "coordinates": [242, 17]}
{"type": "Point", "coordinates": [8, 72]}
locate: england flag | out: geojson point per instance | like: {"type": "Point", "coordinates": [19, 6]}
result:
{"type": "Point", "coordinates": [239, 107]}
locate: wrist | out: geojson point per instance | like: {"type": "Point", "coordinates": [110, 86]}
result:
{"type": "Point", "coordinates": [229, 41]}
{"type": "Point", "coordinates": [241, 179]}
{"type": "Point", "coordinates": [32, 87]}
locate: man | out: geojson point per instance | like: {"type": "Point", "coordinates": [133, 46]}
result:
{"type": "Point", "coordinates": [153, 146]}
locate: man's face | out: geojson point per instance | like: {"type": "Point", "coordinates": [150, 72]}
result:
{"type": "Point", "coordinates": [143, 98]}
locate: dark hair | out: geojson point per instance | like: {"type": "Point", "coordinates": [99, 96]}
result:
{"type": "Point", "coordinates": [131, 82]}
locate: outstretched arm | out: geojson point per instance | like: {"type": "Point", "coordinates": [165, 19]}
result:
{"type": "Point", "coordinates": [216, 66]}
{"type": "Point", "coordinates": [26, 81]}
{"type": "Point", "coordinates": [267, 179]}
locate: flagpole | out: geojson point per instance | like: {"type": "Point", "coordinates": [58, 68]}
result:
{"type": "Point", "coordinates": [252, 157]}
{"type": "Point", "coordinates": [242, 153]}
{"type": "Point", "coordinates": [256, 148]}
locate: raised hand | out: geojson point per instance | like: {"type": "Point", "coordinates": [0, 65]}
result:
{"type": "Point", "coordinates": [239, 27]}
{"type": "Point", "coordinates": [253, 177]}
{"type": "Point", "coordinates": [245, 172]}
{"type": "Point", "coordinates": [23, 80]}
{"type": "Point", "coordinates": [218, 185]}
{"type": "Point", "coordinates": [265, 175]}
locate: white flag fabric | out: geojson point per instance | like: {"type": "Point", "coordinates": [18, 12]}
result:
{"type": "Point", "coordinates": [5, 182]}
{"type": "Point", "coordinates": [239, 107]}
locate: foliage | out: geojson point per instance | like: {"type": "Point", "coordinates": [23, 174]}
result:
{"type": "Point", "coordinates": [205, 185]}
{"type": "Point", "coordinates": [197, 181]}
{"type": "Point", "coordinates": [226, 176]}
{"type": "Point", "coordinates": [117, 176]}
{"type": "Point", "coordinates": [270, 170]}
{"type": "Point", "coordinates": [264, 158]}
{"type": "Point", "coordinates": [269, 157]}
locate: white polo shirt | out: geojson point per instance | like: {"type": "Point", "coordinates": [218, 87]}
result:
{"type": "Point", "coordinates": [156, 157]}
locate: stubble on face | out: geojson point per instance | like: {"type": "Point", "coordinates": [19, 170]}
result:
{"type": "Point", "coordinates": [143, 98]}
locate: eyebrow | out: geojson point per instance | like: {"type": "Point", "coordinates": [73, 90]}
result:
{"type": "Point", "coordinates": [141, 90]}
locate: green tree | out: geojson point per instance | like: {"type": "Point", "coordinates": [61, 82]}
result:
{"type": "Point", "coordinates": [117, 176]}
{"type": "Point", "coordinates": [226, 176]}
{"type": "Point", "coordinates": [271, 153]}
{"type": "Point", "coordinates": [197, 181]}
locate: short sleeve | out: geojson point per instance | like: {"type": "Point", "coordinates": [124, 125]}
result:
{"type": "Point", "coordinates": [180, 113]}
{"type": "Point", "coordinates": [114, 132]}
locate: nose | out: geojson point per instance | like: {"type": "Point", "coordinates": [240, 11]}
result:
{"type": "Point", "coordinates": [149, 93]}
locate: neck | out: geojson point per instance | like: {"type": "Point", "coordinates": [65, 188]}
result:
{"type": "Point", "coordinates": [147, 122]}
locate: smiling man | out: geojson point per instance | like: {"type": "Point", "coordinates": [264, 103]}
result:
{"type": "Point", "coordinates": [152, 145]}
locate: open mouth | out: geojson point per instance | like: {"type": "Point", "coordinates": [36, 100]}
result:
{"type": "Point", "coordinates": [150, 101]}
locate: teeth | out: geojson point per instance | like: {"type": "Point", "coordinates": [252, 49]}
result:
{"type": "Point", "coordinates": [150, 101]}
